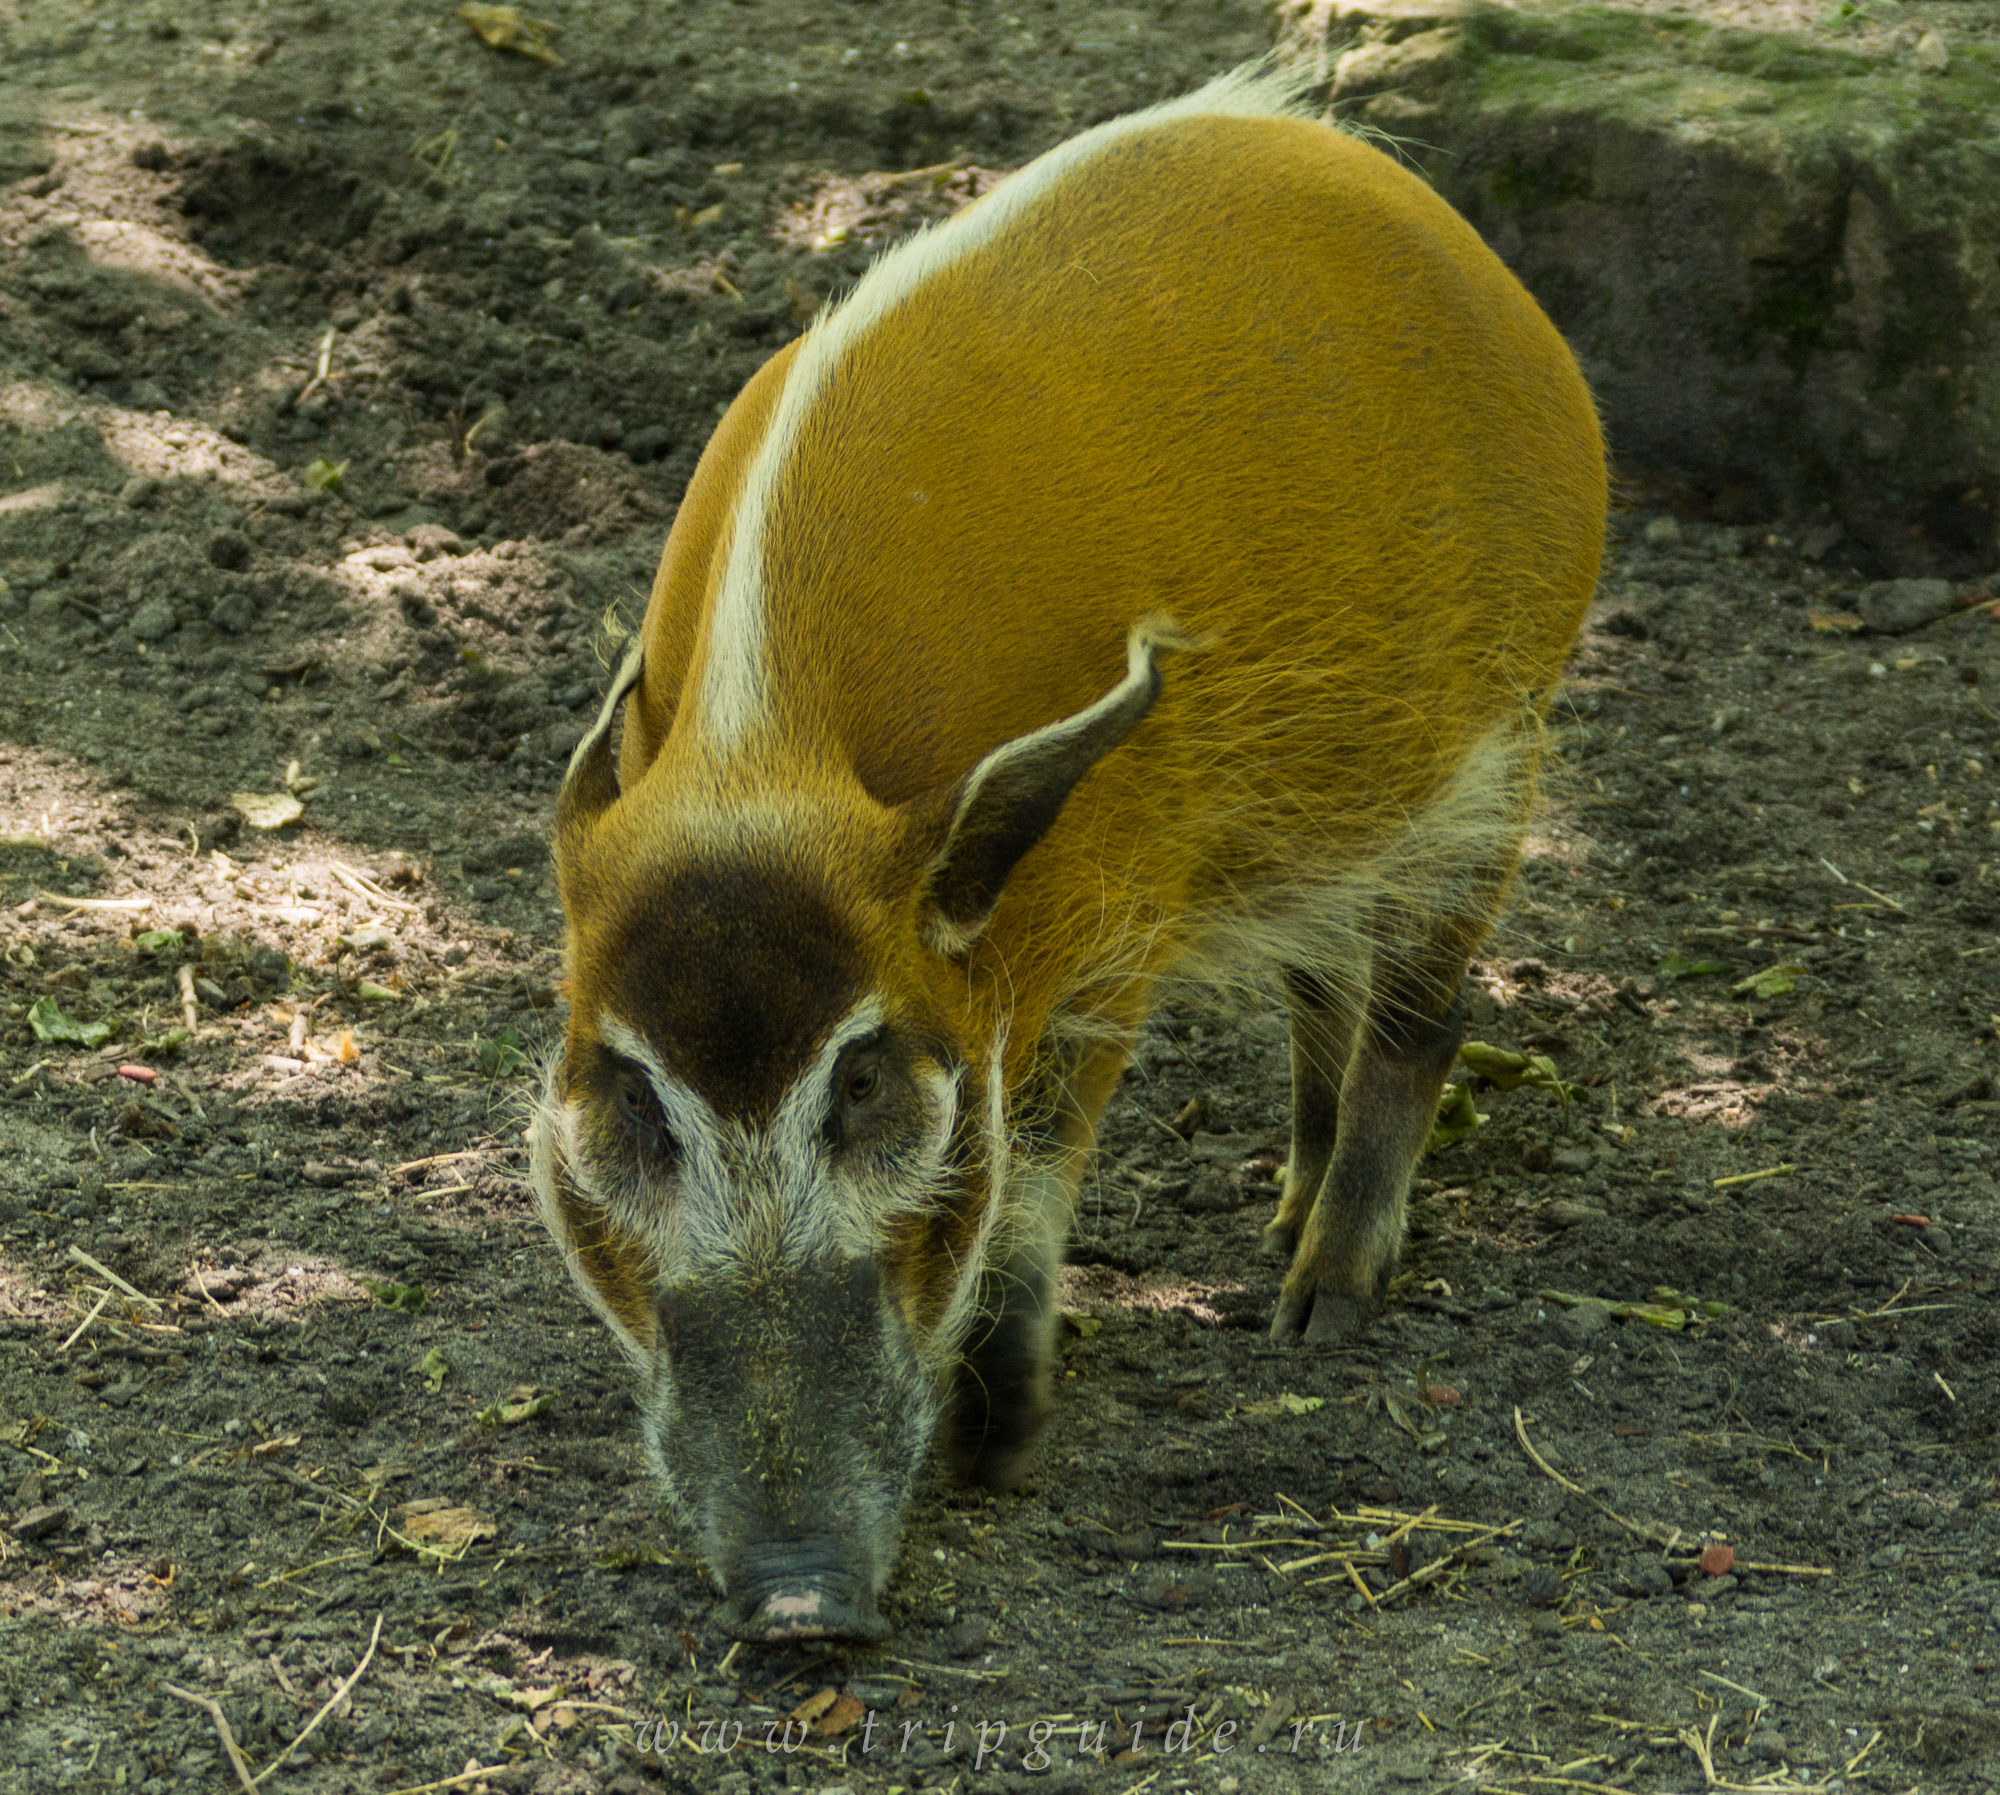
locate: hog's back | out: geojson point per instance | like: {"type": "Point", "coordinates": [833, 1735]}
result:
{"type": "Point", "coordinates": [1242, 372]}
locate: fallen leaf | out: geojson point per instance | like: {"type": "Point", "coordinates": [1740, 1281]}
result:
{"type": "Point", "coordinates": [640, 1556]}
{"type": "Point", "coordinates": [814, 1706]}
{"type": "Point", "coordinates": [523, 1403]}
{"type": "Point", "coordinates": [405, 1299]}
{"type": "Point", "coordinates": [1287, 1404]}
{"type": "Point", "coordinates": [1772, 981]}
{"type": "Point", "coordinates": [845, 1713]}
{"type": "Point", "coordinates": [507, 28]}
{"type": "Point", "coordinates": [1457, 1118]}
{"type": "Point", "coordinates": [1508, 1071]}
{"type": "Point", "coordinates": [1665, 1308]}
{"type": "Point", "coordinates": [436, 1522]}
{"type": "Point", "coordinates": [266, 810]}
{"type": "Point", "coordinates": [1675, 966]}
{"type": "Point", "coordinates": [322, 475]}
{"type": "Point", "coordinates": [503, 1689]}
{"type": "Point", "coordinates": [434, 1368]}
{"type": "Point", "coordinates": [46, 1018]}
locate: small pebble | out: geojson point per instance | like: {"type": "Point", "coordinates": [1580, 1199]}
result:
{"type": "Point", "coordinates": [40, 1522]}
{"type": "Point", "coordinates": [1584, 1322]}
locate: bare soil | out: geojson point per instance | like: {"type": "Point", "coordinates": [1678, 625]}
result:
{"type": "Point", "coordinates": [508, 298]}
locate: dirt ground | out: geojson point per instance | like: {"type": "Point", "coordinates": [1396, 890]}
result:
{"type": "Point", "coordinates": [291, 1385]}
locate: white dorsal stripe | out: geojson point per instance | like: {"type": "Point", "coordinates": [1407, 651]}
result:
{"type": "Point", "coordinates": [734, 673]}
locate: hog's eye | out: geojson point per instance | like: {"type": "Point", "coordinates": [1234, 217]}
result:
{"type": "Point", "coordinates": [860, 1087]}
{"type": "Point", "coordinates": [639, 1109]}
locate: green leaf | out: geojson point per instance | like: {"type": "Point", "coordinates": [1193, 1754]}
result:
{"type": "Point", "coordinates": [1697, 1308]}
{"type": "Point", "coordinates": [637, 1557]}
{"type": "Point", "coordinates": [1288, 1404]}
{"type": "Point", "coordinates": [500, 1057]}
{"type": "Point", "coordinates": [160, 1046]}
{"type": "Point", "coordinates": [158, 941]}
{"type": "Point", "coordinates": [1457, 1119]}
{"type": "Point", "coordinates": [1665, 1308]}
{"type": "Point", "coordinates": [322, 475]}
{"type": "Point", "coordinates": [1773, 981]}
{"type": "Point", "coordinates": [405, 1299]}
{"type": "Point", "coordinates": [45, 1017]}
{"type": "Point", "coordinates": [1674, 966]}
{"type": "Point", "coordinates": [522, 1404]}
{"type": "Point", "coordinates": [1508, 1071]}
{"type": "Point", "coordinates": [434, 1368]}
{"type": "Point", "coordinates": [370, 992]}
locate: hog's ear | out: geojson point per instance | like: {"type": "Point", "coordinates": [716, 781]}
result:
{"type": "Point", "coordinates": [1011, 799]}
{"type": "Point", "coordinates": [591, 785]}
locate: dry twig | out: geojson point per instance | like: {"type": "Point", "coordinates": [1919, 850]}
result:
{"type": "Point", "coordinates": [83, 1325]}
{"type": "Point", "coordinates": [362, 885]}
{"type": "Point", "coordinates": [1650, 1531]}
{"type": "Point", "coordinates": [229, 1745]}
{"type": "Point", "coordinates": [332, 1701]}
{"type": "Point", "coordinates": [79, 1257]}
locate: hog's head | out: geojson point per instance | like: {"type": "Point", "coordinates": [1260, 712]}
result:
{"type": "Point", "coordinates": [775, 1148]}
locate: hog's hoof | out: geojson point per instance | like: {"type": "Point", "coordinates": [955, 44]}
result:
{"type": "Point", "coordinates": [1319, 1317]}
{"type": "Point", "coordinates": [1000, 1465]}
{"type": "Point", "coordinates": [1280, 1242]}
{"type": "Point", "coordinates": [997, 1457]}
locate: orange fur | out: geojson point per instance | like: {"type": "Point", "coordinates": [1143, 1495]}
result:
{"type": "Point", "coordinates": [1237, 371]}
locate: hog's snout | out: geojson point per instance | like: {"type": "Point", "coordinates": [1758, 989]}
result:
{"type": "Point", "coordinates": [800, 1589]}
{"type": "Point", "coordinates": [789, 1413]}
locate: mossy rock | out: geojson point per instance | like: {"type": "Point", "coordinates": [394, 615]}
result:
{"type": "Point", "coordinates": [1778, 257]}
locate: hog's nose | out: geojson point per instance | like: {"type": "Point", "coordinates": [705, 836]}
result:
{"type": "Point", "coordinates": [799, 1589]}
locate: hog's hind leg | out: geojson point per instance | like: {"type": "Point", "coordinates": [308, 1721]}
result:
{"type": "Point", "coordinates": [1408, 1036]}
{"type": "Point", "coordinates": [1322, 1040]}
